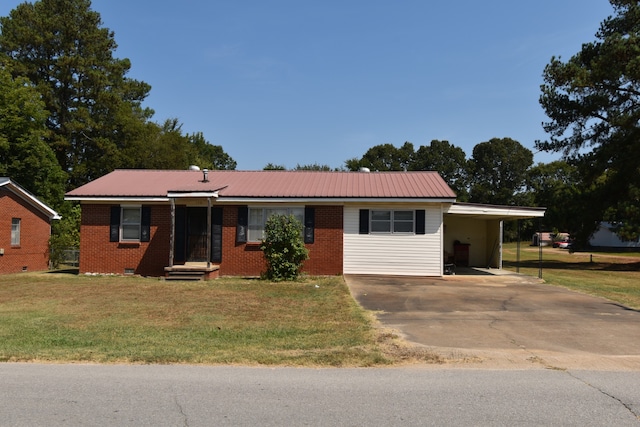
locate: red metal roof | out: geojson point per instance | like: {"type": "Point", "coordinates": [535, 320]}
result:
{"type": "Point", "coordinates": [267, 184]}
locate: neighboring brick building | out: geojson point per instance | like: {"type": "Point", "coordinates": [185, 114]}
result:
{"type": "Point", "coordinates": [157, 222]}
{"type": "Point", "coordinates": [25, 228]}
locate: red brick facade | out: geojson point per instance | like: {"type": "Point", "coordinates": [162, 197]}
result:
{"type": "Point", "coordinates": [99, 255]}
{"type": "Point", "coordinates": [32, 254]}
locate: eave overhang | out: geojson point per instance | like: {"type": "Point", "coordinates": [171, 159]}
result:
{"type": "Point", "coordinates": [498, 212]}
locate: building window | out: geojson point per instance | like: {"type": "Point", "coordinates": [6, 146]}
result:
{"type": "Point", "coordinates": [15, 231]}
{"type": "Point", "coordinates": [258, 218]}
{"type": "Point", "coordinates": [130, 224]}
{"type": "Point", "coordinates": [389, 221]}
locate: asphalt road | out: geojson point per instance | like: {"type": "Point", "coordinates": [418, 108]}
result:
{"type": "Point", "coordinates": [99, 395]}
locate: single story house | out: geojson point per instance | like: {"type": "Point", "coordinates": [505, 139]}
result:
{"type": "Point", "coordinates": [173, 222]}
{"type": "Point", "coordinates": [25, 228]}
{"type": "Point", "coordinates": [606, 237]}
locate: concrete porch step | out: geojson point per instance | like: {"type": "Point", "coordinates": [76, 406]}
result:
{"type": "Point", "coordinates": [191, 272]}
{"type": "Point", "coordinates": [185, 275]}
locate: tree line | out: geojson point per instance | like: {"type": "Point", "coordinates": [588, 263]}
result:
{"type": "Point", "coordinates": [500, 171]}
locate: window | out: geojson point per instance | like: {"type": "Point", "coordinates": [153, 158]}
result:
{"type": "Point", "coordinates": [15, 231]}
{"type": "Point", "coordinates": [131, 224]}
{"type": "Point", "coordinates": [388, 221]}
{"type": "Point", "coordinates": [258, 218]}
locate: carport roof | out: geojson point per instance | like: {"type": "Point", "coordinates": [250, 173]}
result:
{"type": "Point", "coordinates": [498, 212]}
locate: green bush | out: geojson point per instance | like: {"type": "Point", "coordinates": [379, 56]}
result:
{"type": "Point", "coordinates": [283, 248]}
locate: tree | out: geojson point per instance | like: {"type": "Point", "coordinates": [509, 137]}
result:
{"type": "Point", "coordinates": [283, 247]}
{"type": "Point", "coordinates": [593, 103]}
{"type": "Point", "coordinates": [274, 167]}
{"type": "Point", "coordinates": [61, 46]}
{"type": "Point", "coordinates": [207, 155]}
{"type": "Point", "coordinates": [498, 170]}
{"type": "Point", "coordinates": [312, 167]}
{"type": "Point", "coordinates": [384, 157]}
{"type": "Point", "coordinates": [24, 156]}
{"type": "Point", "coordinates": [555, 186]}
{"type": "Point", "coordinates": [446, 159]}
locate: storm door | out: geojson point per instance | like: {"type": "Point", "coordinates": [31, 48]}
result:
{"type": "Point", "coordinates": [196, 234]}
{"type": "Point", "coordinates": [191, 234]}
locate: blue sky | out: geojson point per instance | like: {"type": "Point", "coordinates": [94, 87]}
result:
{"type": "Point", "coordinates": [321, 81]}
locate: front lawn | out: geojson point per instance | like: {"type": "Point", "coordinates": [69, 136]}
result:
{"type": "Point", "coordinates": [111, 319]}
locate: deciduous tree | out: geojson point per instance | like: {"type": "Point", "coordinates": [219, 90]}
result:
{"type": "Point", "coordinates": [498, 170]}
{"type": "Point", "coordinates": [24, 156]}
{"type": "Point", "coordinates": [446, 159]}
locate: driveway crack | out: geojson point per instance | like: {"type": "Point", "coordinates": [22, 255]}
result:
{"type": "Point", "coordinates": [627, 406]}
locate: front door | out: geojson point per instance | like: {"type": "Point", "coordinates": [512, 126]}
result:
{"type": "Point", "coordinates": [191, 234]}
{"type": "Point", "coordinates": [196, 234]}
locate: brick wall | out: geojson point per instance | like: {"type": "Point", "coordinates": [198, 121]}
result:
{"type": "Point", "coordinates": [33, 252]}
{"type": "Point", "coordinates": [98, 255]}
{"type": "Point", "coordinates": [246, 259]}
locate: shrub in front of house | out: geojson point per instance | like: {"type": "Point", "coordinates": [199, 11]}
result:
{"type": "Point", "coordinates": [283, 248]}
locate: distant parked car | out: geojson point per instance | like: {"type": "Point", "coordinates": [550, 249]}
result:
{"type": "Point", "coordinates": [565, 244]}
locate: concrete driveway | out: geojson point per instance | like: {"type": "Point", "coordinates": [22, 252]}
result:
{"type": "Point", "coordinates": [504, 319]}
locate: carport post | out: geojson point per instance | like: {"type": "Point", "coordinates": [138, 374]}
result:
{"type": "Point", "coordinates": [539, 249]}
{"type": "Point", "coordinates": [518, 249]}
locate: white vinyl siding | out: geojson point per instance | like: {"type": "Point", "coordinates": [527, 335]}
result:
{"type": "Point", "coordinates": [393, 253]}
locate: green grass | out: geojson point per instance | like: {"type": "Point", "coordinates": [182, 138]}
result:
{"type": "Point", "coordinates": [109, 319]}
{"type": "Point", "coordinates": [612, 275]}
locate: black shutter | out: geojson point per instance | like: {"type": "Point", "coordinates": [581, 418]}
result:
{"type": "Point", "coordinates": [309, 224]}
{"type": "Point", "coordinates": [216, 235]}
{"type": "Point", "coordinates": [145, 226]}
{"type": "Point", "coordinates": [180, 243]}
{"type": "Point", "coordinates": [114, 224]}
{"type": "Point", "coordinates": [420, 227]}
{"type": "Point", "coordinates": [243, 222]}
{"type": "Point", "coordinates": [364, 221]}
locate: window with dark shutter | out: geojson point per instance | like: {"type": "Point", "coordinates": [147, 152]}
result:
{"type": "Point", "coordinates": [216, 235]}
{"type": "Point", "coordinates": [364, 221]}
{"type": "Point", "coordinates": [420, 221]}
{"type": "Point", "coordinates": [145, 224]}
{"type": "Point", "coordinates": [309, 224]}
{"type": "Point", "coordinates": [243, 221]}
{"type": "Point", "coordinates": [114, 224]}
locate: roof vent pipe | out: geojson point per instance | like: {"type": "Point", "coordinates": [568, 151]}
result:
{"type": "Point", "coordinates": [365, 170]}
{"type": "Point", "coordinates": [205, 175]}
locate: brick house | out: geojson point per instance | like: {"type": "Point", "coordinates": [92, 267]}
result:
{"type": "Point", "coordinates": [25, 228]}
{"type": "Point", "coordinates": [157, 222]}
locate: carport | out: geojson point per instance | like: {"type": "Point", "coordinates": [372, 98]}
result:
{"type": "Point", "coordinates": [473, 233]}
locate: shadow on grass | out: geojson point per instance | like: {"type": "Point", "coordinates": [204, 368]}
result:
{"type": "Point", "coordinates": [71, 270]}
{"type": "Point", "coordinates": [586, 265]}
